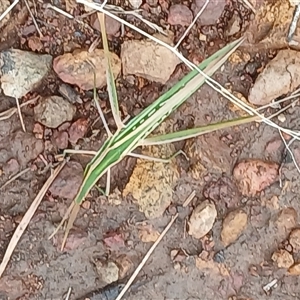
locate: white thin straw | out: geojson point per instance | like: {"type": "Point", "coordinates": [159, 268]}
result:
{"type": "Point", "coordinates": [192, 24]}
{"type": "Point", "coordinates": [8, 9]}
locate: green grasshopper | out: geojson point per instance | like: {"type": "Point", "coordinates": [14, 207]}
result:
{"type": "Point", "coordinates": [134, 134]}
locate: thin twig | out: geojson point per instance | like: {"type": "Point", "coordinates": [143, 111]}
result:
{"type": "Point", "coordinates": [8, 9]}
{"type": "Point", "coordinates": [96, 100]}
{"type": "Point", "coordinates": [34, 7]}
{"type": "Point", "coordinates": [94, 44]}
{"type": "Point", "coordinates": [60, 11]}
{"type": "Point", "coordinates": [68, 294]}
{"type": "Point", "coordinates": [249, 5]}
{"type": "Point", "coordinates": [10, 112]}
{"type": "Point", "coordinates": [20, 115]}
{"type": "Point", "coordinates": [33, 19]}
{"type": "Point", "coordinates": [294, 22]}
{"type": "Point", "coordinates": [287, 145]}
{"type": "Point", "coordinates": [295, 94]}
{"type": "Point", "coordinates": [26, 219]}
{"type": "Point", "coordinates": [111, 88]}
{"type": "Point", "coordinates": [43, 159]}
{"type": "Point", "coordinates": [14, 178]}
{"type": "Point", "coordinates": [84, 152]}
{"type": "Point", "coordinates": [146, 257]}
{"type": "Point", "coordinates": [103, 4]}
{"type": "Point", "coordinates": [192, 24]}
{"type": "Point", "coordinates": [149, 23]}
{"type": "Point", "coordinates": [189, 199]}
{"type": "Point", "coordinates": [7, 114]}
{"type": "Point", "coordinates": [283, 109]}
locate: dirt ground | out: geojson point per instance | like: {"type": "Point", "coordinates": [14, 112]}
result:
{"type": "Point", "coordinates": [109, 230]}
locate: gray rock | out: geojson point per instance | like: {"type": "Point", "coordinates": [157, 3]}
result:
{"type": "Point", "coordinates": [22, 71]}
{"type": "Point", "coordinates": [53, 111]}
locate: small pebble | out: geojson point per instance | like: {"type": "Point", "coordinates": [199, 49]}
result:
{"type": "Point", "coordinates": [53, 111]}
{"type": "Point", "coordinates": [180, 15]}
{"type": "Point", "coordinates": [202, 219]}
{"type": "Point", "coordinates": [233, 226]}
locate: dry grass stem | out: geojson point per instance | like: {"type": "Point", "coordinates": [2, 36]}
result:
{"type": "Point", "coordinates": [64, 219]}
{"type": "Point", "coordinates": [43, 159]}
{"type": "Point", "coordinates": [10, 112]}
{"type": "Point", "coordinates": [283, 109]}
{"type": "Point", "coordinates": [184, 228]}
{"type": "Point", "coordinates": [26, 219]}
{"type": "Point", "coordinates": [8, 9]}
{"type": "Point", "coordinates": [33, 19]}
{"type": "Point", "coordinates": [192, 24]}
{"type": "Point", "coordinates": [94, 44]}
{"type": "Point", "coordinates": [84, 152]}
{"type": "Point", "coordinates": [189, 199]}
{"type": "Point", "coordinates": [60, 11]}
{"type": "Point", "coordinates": [249, 5]}
{"type": "Point", "coordinates": [146, 257]}
{"type": "Point", "coordinates": [287, 146]}
{"type": "Point", "coordinates": [68, 294]}
{"type": "Point", "coordinates": [103, 4]}
{"type": "Point", "coordinates": [294, 95]}
{"type": "Point", "coordinates": [14, 178]}
{"type": "Point", "coordinates": [20, 115]}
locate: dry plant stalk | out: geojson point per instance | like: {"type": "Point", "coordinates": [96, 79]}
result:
{"type": "Point", "coordinates": [27, 217]}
